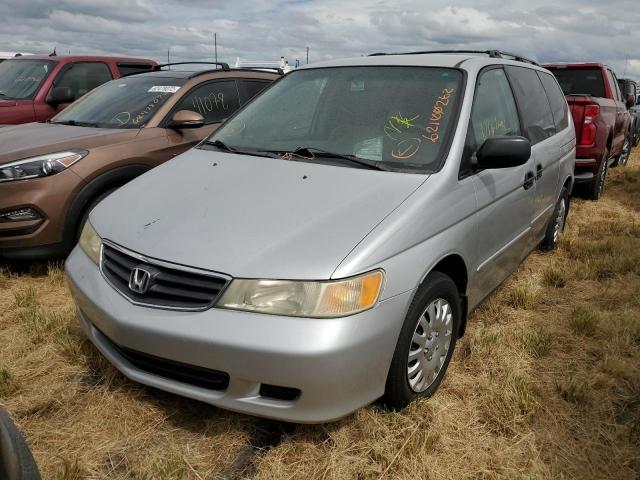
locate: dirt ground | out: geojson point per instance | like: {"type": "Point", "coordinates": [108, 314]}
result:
{"type": "Point", "coordinates": [545, 384]}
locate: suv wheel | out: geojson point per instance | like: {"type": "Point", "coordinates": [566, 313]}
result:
{"type": "Point", "coordinates": [426, 343]}
{"type": "Point", "coordinates": [92, 204]}
{"type": "Point", "coordinates": [556, 224]}
{"type": "Point", "coordinates": [596, 187]}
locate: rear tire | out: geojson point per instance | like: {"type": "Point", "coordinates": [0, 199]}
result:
{"type": "Point", "coordinates": [622, 159]}
{"type": "Point", "coordinates": [426, 342]}
{"type": "Point", "coordinates": [556, 224]}
{"type": "Point", "coordinates": [596, 188]}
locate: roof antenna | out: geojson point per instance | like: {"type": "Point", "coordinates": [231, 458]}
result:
{"type": "Point", "coordinates": [53, 54]}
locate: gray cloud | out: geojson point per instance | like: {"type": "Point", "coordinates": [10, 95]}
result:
{"type": "Point", "coordinates": [546, 30]}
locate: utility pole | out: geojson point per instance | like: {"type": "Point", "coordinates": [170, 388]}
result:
{"type": "Point", "coordinates": [307, 55]}
{"type": "Point", "coordinates": [168, 57]}
{"type": "Point", "coordinates": [215, 46]}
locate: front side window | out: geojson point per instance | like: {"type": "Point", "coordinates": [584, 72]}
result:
{"type": "Point", "coordinates": [558, 102]}
{"type": "Point", "coordinates": [129, 102]}
{"type": "Point", "coordinates": [215, 101]}
{"type": "Point", "coordinates": [20, 79]}
{"type": "Point", "coordinates": [81, 78]}
{"type": "Point", "coordinates": [493, 114]}
{"type": "Point", "coordinates": [400, 117]}
{"type": "Point", "coordinates": [533, 102]}
{"type": "Point", "coordinates": [613, 81]}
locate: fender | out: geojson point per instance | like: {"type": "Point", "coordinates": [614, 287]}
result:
{"type": "Point", "coordinates": [110, 179]}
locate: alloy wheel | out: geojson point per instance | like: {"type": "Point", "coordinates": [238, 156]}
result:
{"type": "Point", "coordinates": [430, 344]}
{"type": "Point", "coordinates": [626, 151]}
{"type": "Point", "coordinates": [560, 219]}
{"type": "Point", "coordinates": [602, 179]}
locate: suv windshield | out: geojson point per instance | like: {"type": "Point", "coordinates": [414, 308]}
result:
{"type": "Point", "coordinates": [129, 102]}
{"type": "Point", "coordinates": [20, 79]}
{"type": "Point", "coordinates": [398, 117]}
{"type": "Point", "coordinates": [580, 81]}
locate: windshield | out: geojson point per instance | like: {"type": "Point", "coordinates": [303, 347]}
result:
{"type": "Point", "coordinates": [20, 79]}
{"type": "Point", "coordinates": [129, 102]}
{"type": "Point", "coordinates": [399, 117]}
{"type": "Point", "coordinates": [580, 81]}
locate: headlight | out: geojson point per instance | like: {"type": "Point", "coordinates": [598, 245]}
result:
{"type": "Point", "coordinates": [40, 166]}
{"type": "Point", "coordinates": [90, 242]}
{"type": "Point", "coordinates": [336, 298]}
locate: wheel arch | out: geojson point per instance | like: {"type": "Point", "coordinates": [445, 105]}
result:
{"type": "Point", "coordinates": [111, 179]}
{"type": "Point", "coordinates": [454, 266]}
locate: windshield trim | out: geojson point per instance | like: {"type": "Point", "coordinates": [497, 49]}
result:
{"type": "Point", "coordinates": [53, 64]}
{"type": "Point", "coordinates": [439, 161]}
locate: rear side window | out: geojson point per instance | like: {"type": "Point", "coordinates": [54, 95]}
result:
{"type": "Point", "coordinates": [494, 113]}
{"type": "Point", "coordinates": [83, 77]}
{"type": "Point", "coordinates": [132, 68]}
{"type": "Point", "coordinates": [580, 81]}
{"type": "Point", "coordinates": [533, 102]}
{"type": "Point", "coordinates": [215, 101]}
{"type": "Point", "coordinates": [557, 100]}
{"type": "Point", "coordinates": [251, 88]}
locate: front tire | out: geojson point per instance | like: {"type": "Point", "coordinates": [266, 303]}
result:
{"type": "Point", "coordinates": [556, 224]}
{"type": "Point", "coordinates": [426, 342]}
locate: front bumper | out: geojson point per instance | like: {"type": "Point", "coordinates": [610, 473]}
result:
{"type": "Point", "coordinates": [339, 365]}
{"type": "Point", "coordinates": [50, 198]}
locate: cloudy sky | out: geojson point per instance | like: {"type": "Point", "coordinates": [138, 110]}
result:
{"type": "Point", "coordinates": [260, 29]}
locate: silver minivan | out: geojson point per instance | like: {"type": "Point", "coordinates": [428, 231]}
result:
{"type": "Point", "coordinates": [325, 246]}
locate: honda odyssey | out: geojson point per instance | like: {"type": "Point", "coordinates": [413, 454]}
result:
{"type": "Point", "coordinates": [325, 246]}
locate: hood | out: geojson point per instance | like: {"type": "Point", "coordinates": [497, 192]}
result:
{"type": "Point", "coordinates": [31, 139]}
{"type": "Point", "coordinates": [251, 216]}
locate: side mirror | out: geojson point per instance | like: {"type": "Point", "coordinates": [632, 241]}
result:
{"type": "Point", "coordinates": [186, 119]}
{"type": "Point", "coordinates": [59, 95]}
{"type": "Point", "coordinates": [503, 152]}
{"type": "Point", "coordinates": [631, 100]}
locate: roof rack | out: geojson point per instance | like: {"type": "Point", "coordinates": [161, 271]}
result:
{"type": "Point", "coordinates": [225, 66]}
{"type": "Point", "coordinates": [278, 70]}
{"type": "Point", "coordinates": [491, 53]}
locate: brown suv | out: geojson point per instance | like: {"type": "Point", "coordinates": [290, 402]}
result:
{"type": "Point", "coordinates": [52, 174]}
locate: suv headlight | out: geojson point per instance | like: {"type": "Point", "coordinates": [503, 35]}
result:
{"type": "Point", "coordinates": [335, 298]}
{"type": "Point", "coordinates": [40, 166]}
{"type": "Point", "coordinates": [90, 242]}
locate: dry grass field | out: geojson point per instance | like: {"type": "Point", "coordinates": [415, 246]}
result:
{"type": "Point", "coordinates": [545, 384]}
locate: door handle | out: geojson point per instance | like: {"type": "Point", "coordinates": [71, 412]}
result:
{"type": "Point", "coordinates": [529, 180]}
{"type": "Point", "coordinates": [539, 170]}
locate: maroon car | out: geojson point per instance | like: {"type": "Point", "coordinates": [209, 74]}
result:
{"type": "Point", "coordinates": [601, 118]}
{"type": "Point", "coordinates": [34, 88]}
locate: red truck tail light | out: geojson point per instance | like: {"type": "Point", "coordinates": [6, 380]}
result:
{"type": "Point", "coordinates": [588, 136]}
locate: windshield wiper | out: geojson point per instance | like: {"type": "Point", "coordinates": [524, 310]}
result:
{"type": "Point", "coordinates": [309, 153]}
{"type": "Point", "coordinates": [226, 148]}
{"type": "Point", "coordinates": [74, 123]}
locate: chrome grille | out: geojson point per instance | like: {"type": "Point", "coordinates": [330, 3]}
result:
{"type": "Point", "coordinates": [162, 284]}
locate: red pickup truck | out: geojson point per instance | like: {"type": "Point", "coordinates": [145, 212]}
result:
{"type": "Point", "coordinates": [601, 120]}
{"type": "Point", "coordinates": [34, 88]}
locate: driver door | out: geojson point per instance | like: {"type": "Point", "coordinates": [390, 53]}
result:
{"type": "Point", "coordinates": [505, 196]}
